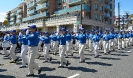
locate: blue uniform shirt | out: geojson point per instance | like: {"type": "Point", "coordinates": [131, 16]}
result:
{"type": "Point", "coordinates": [54, 38]}
{"type": "Point", "coordinates": [82, 38]}
{"type": "Point", "coordinates": [112, 36]}
{"type": "Point", "coordinates": [23, 40]}
{"type": "Point", "coordinates": [62, 39]}
{"type": "Point", "coordinates": [106, 37]}
{"type": "Point", "coordinates": [96, 38]}
{"type": "Point", "coordinates": [6, 38]}
{"type": "Point", "coordinates": [120, 36]}
{"type": "Point", "coordinates": [68, 37]}
{"type": "Point", "coordinates": [13, 39]}
{"type": "Point", "coordinates": [46, 39]}
{"type": "Point", "coordinates": [33, 39]}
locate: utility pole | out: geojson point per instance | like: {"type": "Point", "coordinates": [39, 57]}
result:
{"type": "Point", "coordinates": [118, 16]}
{"type": "Point", "coordinates": [81, 12]}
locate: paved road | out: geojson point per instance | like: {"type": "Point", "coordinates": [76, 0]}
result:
{"type": "Point", "coordinates": [118, 64]}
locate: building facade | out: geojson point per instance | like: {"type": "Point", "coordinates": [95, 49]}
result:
{"type": "Point", "coordinates": [51, 15]}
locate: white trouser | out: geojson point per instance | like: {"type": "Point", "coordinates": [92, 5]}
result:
{"type": "Point", "coordinates": [127, 42]}
{"type": "Point", "coordinates": [87, 43]}
{"type": "Point", "coordinates": [55, 46]}
{"type": "Point", "coordinates": [100, 44]}
{"type": "Point", "coordinates": [123, 43]}
{"type": "Point", "coordinates": [46, 50]}
{"type": "Point", "coordinates": [12, 51]}
{"type": "Point", "coordinates": [39, 46]}
{"type": "Point", "coordinates": [119, 43]}
{"type": "Point", "coordinates": [96, 45]}
{"type": "Point", "coordinates": [24, 49]}
{"type": "Point", "coordinates": [81, 51]}
{"type": "Point", "coordinates": [91, 45]}
{"type": "Point", "coordinates": [51, 45]}
{"type": "Point", "coordinates": [5, 51]}
{"type": "Point", "coordinates": [111, 44]}
{"type": "Point", "coordinates": [77, 45]}
{"type": "Point", "coordinates": [62, 49]}
{"type": "Point", "coordinates": [106, 46]}
{"type": "Point", "coordinates": [32, 51]}
{"type": "Point", "coordinates": [37, 53]}
{"type": "Point", "coordinates": [68, 48]}
{"type": "Point", "coordinates": [131, 40]}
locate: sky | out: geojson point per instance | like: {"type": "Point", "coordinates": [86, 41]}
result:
{"type": "Point", "coordinates": [7, 5]}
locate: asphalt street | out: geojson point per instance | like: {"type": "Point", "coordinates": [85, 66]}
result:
{"type": "Point", "coordinates": [118, 64]}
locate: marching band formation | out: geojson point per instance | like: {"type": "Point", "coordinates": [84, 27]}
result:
{"type": "Point", "coordinates": [63, 43]}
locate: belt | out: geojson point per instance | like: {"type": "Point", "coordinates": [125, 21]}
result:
{"type": "Point", "coordinates": [46, 43]}
{"type": "Point", "coordinates": [62, 44]}
{"type": "Point", "coordinates": [32, 46]}
{"type": "Point", "coordinates": [68, 41]}
{"type": "Point", "coordinates": [24, 44]}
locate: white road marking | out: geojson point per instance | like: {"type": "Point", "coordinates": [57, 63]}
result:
{"type": "Point", "coordinates": [73, 76]}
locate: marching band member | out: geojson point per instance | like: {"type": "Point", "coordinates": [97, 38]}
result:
{"type": "Point", "coordinates": [111, 41]}
{"type": "Point", "coordinates": [40, 42]}
{"type": "Point", "coordinates": [123, 40]}
{"type": "Point", "coordinates": [82, 42]}
{"type": "Point", "coordinates": [33, 41]}
{"type": "Point", "coordinates": [77, 41]}
{"type": "Point", "coordinates": [106, 38]}
{"type": "Point", "coordinates": [87, 39]}
{"type": "Point", "coordinates": [119, 40]}
{"type": "Point", "coordinates": [132, 37]}
{"type": "Point", "coordinates": [68, 43]}
{"type": "Point", "coordinates": [62, 48]}
{"type": "Point", "coordinates": [24, 47]}
{"type": "Point", "coordinates": [6, 39]}
{"type": "Point", "coordinates": [91, 41]}
{"type": "Point", "coordinates": [46, 40]}
{"type": "Point", "coordinates": [127, 38]}
{"type": "Point", "coordinates": [55, 42]}
{"type": "Point", "coordinates": [13, 40]}
{"type": "Point", "coordinates": [96, 39]}
{"type": "Point", "coordinates": [101, 39]}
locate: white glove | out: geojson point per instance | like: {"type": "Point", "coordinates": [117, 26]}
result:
{"type": "Point", "coordinates": [27, 32]}
{"type": "Point", "coordinates": [20, 33]}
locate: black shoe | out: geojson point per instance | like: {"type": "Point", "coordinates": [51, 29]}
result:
{"type": "Point", "coordinates": [96, 56]}
{"type": "Point", "coordinates": [105, 53]}
{"type": "Point", "coordinates": [40, 70]}
{"type": "Point", "coordinates": [6, 55]}
{"type": "Point", "coordinates": [82, 61]}
{"type": "Point", "coordinates": [67, 63]}
{"type": "Point", "coordinates": [66, 57]}
{"type": "Point", "coordinates": [12, 62]}
{"type": "Point", "coordinates": [29, 75]}
{"type": "Point", "coordinates": [45, 61]}
{"type": "Point", "coordinates": [50, 59]}
{"type": "Point", "coordinates": [71, 54]}
{"type": "Point", "coordinates": [60, 66]}
{"type": "Point", "coordinates": [16, 60]}
{"type": "Point", "coordinates": [23, 67]}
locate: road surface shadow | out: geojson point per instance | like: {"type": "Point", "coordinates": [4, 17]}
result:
{"type": "Point", "coordinates": [99, 63]}
{"type": "Point", "coordinates": [83, 69]}
{"type": "Point", "coordinates": [47, 69]}
{"type": "Point", "coordinates": [119, 54]}
{"type": "Point", "coordinates": [109, 58]}
{"type": "Point", "coordinates": [45, 76]}
{"type": "Point", "coordinates": [6, 76]}
{"type": "Point", "coordinates": [79, 58]}
{"type": "Point", "coordinates": [2, 70]}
